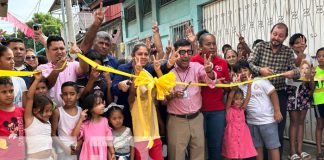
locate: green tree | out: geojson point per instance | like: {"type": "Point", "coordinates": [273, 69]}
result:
{"type": "Point", "coordinates": [50, 25]}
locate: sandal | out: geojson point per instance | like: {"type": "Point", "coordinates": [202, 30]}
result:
{"type": "Point", "coordinates": [294, 157]}
{"type": "Point", "coordinates": [305, 155]}
{"type": "Point", "coordinates": [320, 156]}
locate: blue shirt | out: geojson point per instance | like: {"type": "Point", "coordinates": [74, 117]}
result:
{"type": "Point", "coordinates": [27, 79]}
{"type": "Point", "coordinates": [123, 96]}
{"type": "Point", "coordinates": [108, 61]}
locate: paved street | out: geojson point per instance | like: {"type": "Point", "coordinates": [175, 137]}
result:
{"type": "Point", "coordinates": [309, 148]}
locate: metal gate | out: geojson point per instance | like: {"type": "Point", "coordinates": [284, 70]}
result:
{"type": "Point", "coordinates": [254, 20]}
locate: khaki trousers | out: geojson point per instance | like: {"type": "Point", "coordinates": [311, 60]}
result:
{"type": "Point", "coordinates": [186, 133]}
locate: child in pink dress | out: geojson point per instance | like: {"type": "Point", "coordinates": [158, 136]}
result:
{"type": "Point", "coordinates": [237, 142]}
{"type": "Point", "coordinates": [94, 130]}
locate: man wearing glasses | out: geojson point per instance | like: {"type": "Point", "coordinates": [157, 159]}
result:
{"type": "Point", "coordinates": [184, 104]}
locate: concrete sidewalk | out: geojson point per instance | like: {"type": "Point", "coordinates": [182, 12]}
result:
{"type": "Point", "coordinates": [309, 148]}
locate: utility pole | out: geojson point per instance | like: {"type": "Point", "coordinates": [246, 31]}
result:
{"type": "Point", "coordinates": [16, 32]}
{"type": "Point", "coordinates": [64, 22]}
{"type": "Point", "coordinates": [68, 7]}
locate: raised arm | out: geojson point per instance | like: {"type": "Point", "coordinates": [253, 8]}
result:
{"type": "Point", "coordinates": [247, 50]}
{"type": "Point", "coordinates": [59, 67]}
{"type": "Point", "coordinates": [247, 98]}
{"type": "Point", "coordinates": [174, 57]}
{"type": "Point", "coordinates": [157, 41]}
{"type": "Point", "coordinates": [40, 37]}
{"type": "Point", "coordinates": [230, 99]}
{"type": "Point", "coordinates": [168, 50]}
{"type": "Point", "coordinates": [248, 94]}
{"type": "Point", "coordinates": [157, 67]}
{"type": "Point", "coordinates": [94, 75]}
{"type": "Point", "coordinates": [28, 114]}
{"type": "Point", "coordinates": [90, 35]}
{"type": "Point", "coordinates": [191, 37]}
{"type": "Point", "coordinates": [209, 67]}
{"type": "Point", "coordinates": [107, 78]}
{"type": "Point", "coordinates": [83, 66]}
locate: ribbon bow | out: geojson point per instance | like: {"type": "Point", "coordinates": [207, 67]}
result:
{"type": "Point", "coordinates": [113, 104]}
{"type": "Point", "coordinates": [164, 85]}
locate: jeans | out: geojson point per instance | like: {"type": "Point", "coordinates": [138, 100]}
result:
{"type": "Point", "coordinates": [214, 125]}
{"type": "Point", "coordinates": [283, 101]}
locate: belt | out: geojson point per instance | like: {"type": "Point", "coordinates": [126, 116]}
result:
{"type": "Point", "coordinates": [186, 116]}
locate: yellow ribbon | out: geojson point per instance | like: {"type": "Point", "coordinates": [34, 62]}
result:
{"type": "Point", "coordinates": [319, 78]}
{"type": "Point", "coordinates": [6, 73]}
{"type": "Point", "coordinates": [231, 84]}
{"type": "Point", "coordinates": [103, 68]}
{"type": "Point", "coordinates": [164, 85]}
{"type": "Point", "coordinates": [17, 73]}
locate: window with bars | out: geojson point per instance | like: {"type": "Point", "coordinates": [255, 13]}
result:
{"type": "Point", "coordinates": [178, 31]}
{"type": "Point", "coordinates": [129, 47]}
{"type": "Point", "coordinates": [165, 2]}
{"type": "Point", "coordinates": [147, 6]}
{"type": "Point", "coordinates": [130, 13]}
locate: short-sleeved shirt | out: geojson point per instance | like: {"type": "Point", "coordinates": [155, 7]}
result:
{"type": "Point", "coordinates": [107, 61]}
{"type": "Point", "coordinates": [99, 87]}
{"type": "Point", "coordinates": [19, 89]}
{"type": "Point", "coordinates": [70, 73]}
{"type": "Point", "coordinates": [260, 109]}
{"type": "Point", "coordinates": [12, 141]}
{"type": "Point", "coordinates": [123, 141]}
{"type": "Point", "coordinates": [95, 136]}
{"type": "Point", "coordinates": [319, 87]}
{"type": "Point", "coordinates": [282, 61]}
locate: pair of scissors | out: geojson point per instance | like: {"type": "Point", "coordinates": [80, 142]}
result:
{"type": "Point", "coordinates": [186, 86]}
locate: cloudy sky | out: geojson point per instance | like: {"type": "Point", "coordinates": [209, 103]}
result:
{"type": "Point", "coordinates": [24, 11]}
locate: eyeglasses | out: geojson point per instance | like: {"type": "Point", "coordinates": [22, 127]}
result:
{"type": "Point", "coordinates": [189, 52]}
{"type": "Point", "coordinates": [28, 58]}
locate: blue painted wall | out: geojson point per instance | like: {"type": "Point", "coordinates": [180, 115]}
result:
{"type": "Point", "coordinates": [167, 15]}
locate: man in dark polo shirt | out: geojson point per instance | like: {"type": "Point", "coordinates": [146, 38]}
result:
{"type": "Point", "coordinates": [99, 42]}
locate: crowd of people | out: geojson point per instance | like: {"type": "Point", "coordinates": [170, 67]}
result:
{"type": "Point", "coordinates": [71, 110]}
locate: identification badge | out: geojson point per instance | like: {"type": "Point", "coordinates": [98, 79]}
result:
{"type": "Point", "coordinates": [185, 94]}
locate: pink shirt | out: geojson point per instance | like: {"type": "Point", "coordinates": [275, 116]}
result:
{"type": "Point", "coordinates": [95, 136]}
{"type": "Point", "coordinates": [70, 73]}
{"type": "Point", "coordinates": [192, 103]}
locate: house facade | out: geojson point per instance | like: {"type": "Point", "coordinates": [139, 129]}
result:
{"type": "Point", "coordinates": [253, 19]}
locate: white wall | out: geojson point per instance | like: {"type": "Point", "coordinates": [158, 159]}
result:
{"type": "Point", "coordinates": [254, 20]}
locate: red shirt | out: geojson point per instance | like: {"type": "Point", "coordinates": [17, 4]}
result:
{"type": "Point", "coordinates": [12, 141]}
{"type": "Point", "coordinates": [212, 99]}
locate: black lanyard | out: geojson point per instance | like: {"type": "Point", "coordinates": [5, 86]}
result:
{"type": "Point", "coordinates": [185, 75]}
